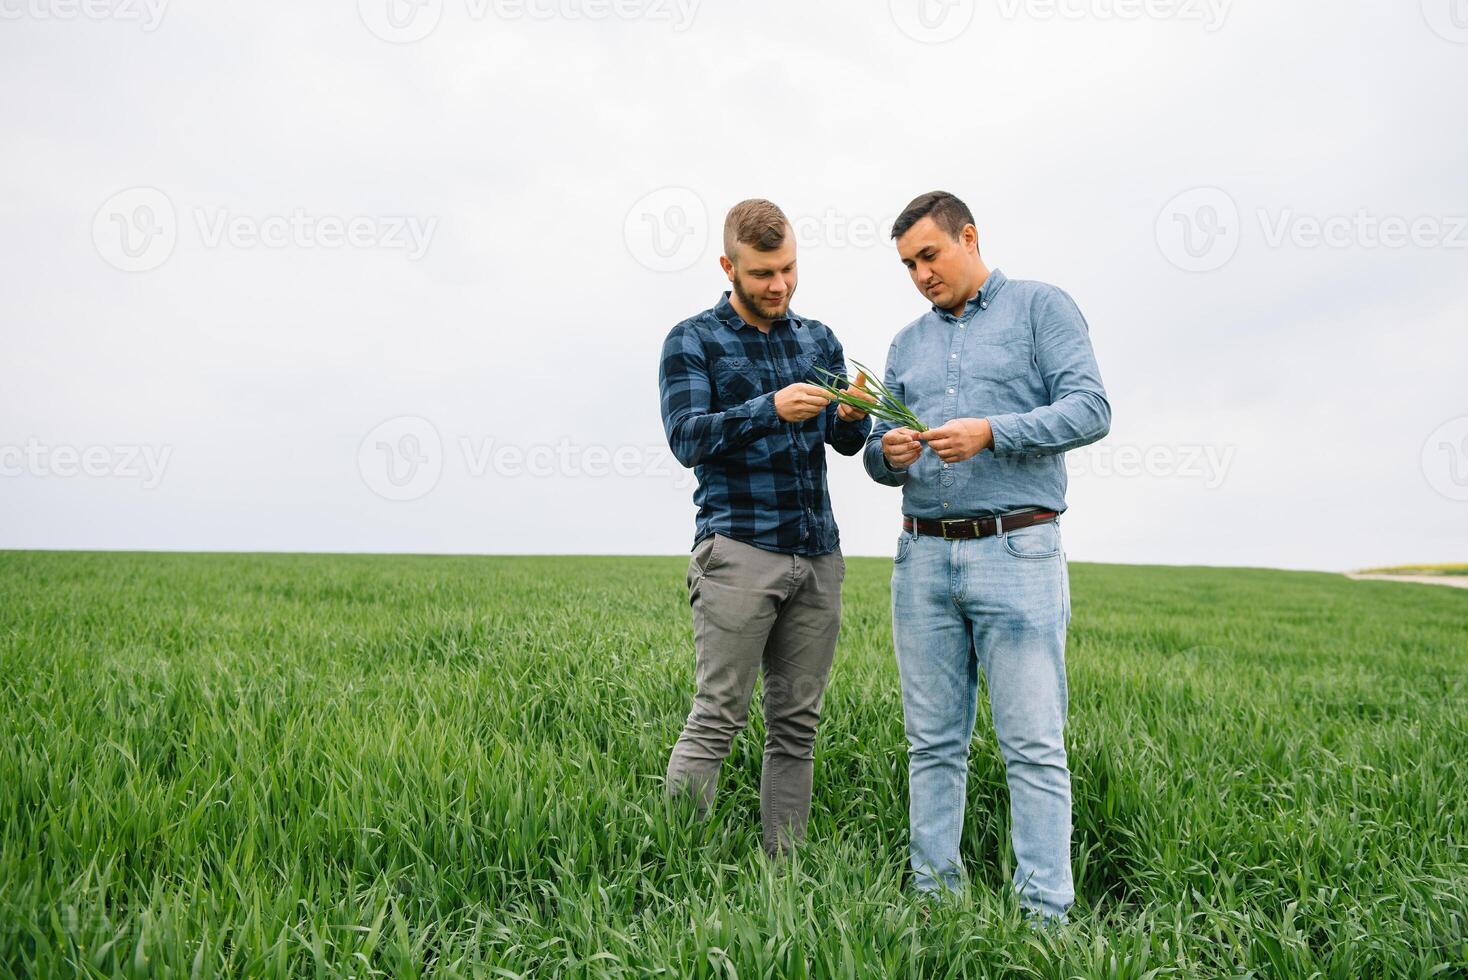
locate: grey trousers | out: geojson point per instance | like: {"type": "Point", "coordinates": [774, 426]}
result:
{"type": "Point", "coordinates": [753, 611]}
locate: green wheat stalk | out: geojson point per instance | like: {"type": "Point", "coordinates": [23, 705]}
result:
{"type": "Point", "coordinates": [887, 407]}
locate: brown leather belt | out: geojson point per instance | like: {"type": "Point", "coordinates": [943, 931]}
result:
{"type": "Point", "coordinates": [978, 527]}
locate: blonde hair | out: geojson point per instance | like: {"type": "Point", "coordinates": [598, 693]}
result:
{"type": "Point", "coordinates": [754, 222]}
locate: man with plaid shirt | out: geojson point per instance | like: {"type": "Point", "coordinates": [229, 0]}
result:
{"type": "Point", "coordinates": [764, 579]}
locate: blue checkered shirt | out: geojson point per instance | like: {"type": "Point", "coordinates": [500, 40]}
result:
{"type": "Point", "coordinates": [761, 480]}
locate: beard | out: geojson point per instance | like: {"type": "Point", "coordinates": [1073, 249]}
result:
{"type": "Point", "coordinates": [763, 309]}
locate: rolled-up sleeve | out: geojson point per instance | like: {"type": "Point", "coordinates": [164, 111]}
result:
{"type": "Point", "coordinates": [695, 434]}
{"type": "Point", "coordinates": [1078, 412]}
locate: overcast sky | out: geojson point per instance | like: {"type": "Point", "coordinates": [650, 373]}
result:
{"type": "Point", "coordinates": [394, 276]}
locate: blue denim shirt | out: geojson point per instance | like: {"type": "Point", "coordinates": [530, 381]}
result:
{"type": "Point", "coordinates": [1020, 356]}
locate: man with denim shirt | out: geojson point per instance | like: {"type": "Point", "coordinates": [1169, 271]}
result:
{"type": "Point", "coordinates": [1004, 372]}
{"type": "Point", "coordinates": [764, 579]}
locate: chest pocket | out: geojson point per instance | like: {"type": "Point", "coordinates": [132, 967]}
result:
{"type": "Point", "coordinates": [1000, 359]}
{"type": "Point", "coordinates": [805, 368]}
{"type": "Point", "coordinates": [736, 380]}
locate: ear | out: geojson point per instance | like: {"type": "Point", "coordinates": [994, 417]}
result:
{"type": "Point", "coordinates": [970, 236]}
{"type": "Point", "coordinates": [727, 266]}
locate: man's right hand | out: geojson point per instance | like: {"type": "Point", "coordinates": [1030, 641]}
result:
{"type": "Point", "coordinates": [800, 401]}
{"type": "Point", "coordinates": [901, 447]}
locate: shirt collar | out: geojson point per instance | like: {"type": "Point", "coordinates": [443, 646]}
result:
{"type": "Point", "coordinates": [979, 300]}
{"type": "Point", "coordinates": [726, 313]}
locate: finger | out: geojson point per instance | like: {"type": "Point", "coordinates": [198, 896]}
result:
{"type": "Point", "coordinates": [814, 391]}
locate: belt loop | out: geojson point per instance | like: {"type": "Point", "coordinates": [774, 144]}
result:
{"type": "Point", "coordinates": [914, 527]}
{"type": "Point", "coordinates": [998, 524]}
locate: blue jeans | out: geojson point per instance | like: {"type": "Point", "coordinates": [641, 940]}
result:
{"type": "Point", "coordinates": [1000, 603]}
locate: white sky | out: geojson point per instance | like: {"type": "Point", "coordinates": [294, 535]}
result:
{"type": "Point", "coordinates": [1293, 404]}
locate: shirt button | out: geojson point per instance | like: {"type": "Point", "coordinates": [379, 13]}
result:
{"type": "Point", "coordinates": [952, 355]}
{"type": "Point", "coordinates": [945, 503]}
{"type": "Point", "coordinates": [983, 306]}
{"type": "Point", "coordinates": [950, 391]}
{"type": "Point", "coordinates": [945, 466]}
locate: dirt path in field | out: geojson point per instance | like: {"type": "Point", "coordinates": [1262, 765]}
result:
{"type": "Point", "coordinates": [1456, 581]}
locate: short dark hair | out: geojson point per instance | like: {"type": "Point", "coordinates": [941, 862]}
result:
{"type": "Point", "coordinates": [947, 211]}
{"type": "Point", "coordinates": [754, 222]}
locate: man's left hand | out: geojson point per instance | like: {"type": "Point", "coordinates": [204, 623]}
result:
{"type": "Point", "coordinates": [848, 414]}
{"type": "Point", "coordinates": [960, 439]}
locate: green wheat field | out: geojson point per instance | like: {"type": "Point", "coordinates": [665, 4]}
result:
{"type": "Point", "coordinates": [292, 765]}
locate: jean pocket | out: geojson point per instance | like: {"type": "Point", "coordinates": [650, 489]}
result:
{"type": "Point", "coordinates": [1038, 541]}
{"type": "Point", "coordinates": [904, 546]}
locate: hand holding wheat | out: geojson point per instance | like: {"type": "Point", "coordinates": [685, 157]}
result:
{"type": "Point", "coordinates": [868, 396]}
{"type": "Point", "coordinates": [850, 413]}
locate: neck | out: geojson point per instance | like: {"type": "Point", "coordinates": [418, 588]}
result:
{"type": "Point", "coordinates": [747, 315]}
{"type": "Point", "coordinates": [981, 274]}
